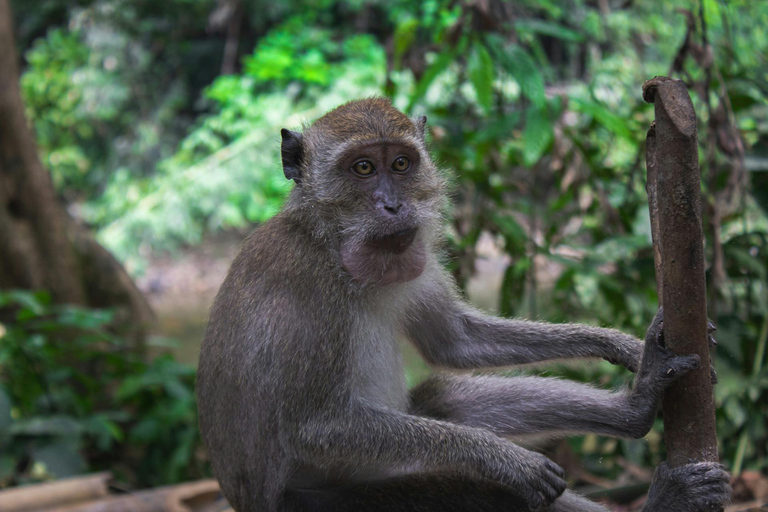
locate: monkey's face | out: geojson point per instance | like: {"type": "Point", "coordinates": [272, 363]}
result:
{"type": "Point", "coordinates": [381, 242]}
{"type": "Point", "coordinates": [366, 171]}
{"type": "Point", "coordinates": [378, 177]}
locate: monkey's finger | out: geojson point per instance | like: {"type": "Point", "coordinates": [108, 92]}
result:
{"type": "Point", "coordinates": [554, 468]}
{"type": "Point", "coordinates": [680, 365]}
{"type": "Point", "coordinates": [712, 374]}
{"type": "Point", "coordinates": [711, 479]}
{"type": "Point", "coordinates": [711, 326]}
{"type": "Point", "coordinates": [687, 363]}
{"type": "Point", "coordinates": [656, 325]}
{"type": "Point", "coordinates": [696, 470]}
{"type": "Point", "coordinates": [660, 336]}
{"type": "Point", "coordinates": [550, 492]}
{"type": "Point", "coordinates": [552, 486]}
{"type": "Point", "coordinates": [718, 475]}
{"type": "Point", "coordinates": [712, 341]}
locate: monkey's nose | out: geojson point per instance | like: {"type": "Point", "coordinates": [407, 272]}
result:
{"type": "Point", "coordinates": [392, 208]}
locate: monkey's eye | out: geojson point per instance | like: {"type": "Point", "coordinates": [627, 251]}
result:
{"type": "Point", "coordinates": [363, 168]}
{"type": "Point", "coordinates": [401, 164]}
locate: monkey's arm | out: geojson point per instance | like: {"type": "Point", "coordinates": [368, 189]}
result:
{"type": "Point", "coordinates": [533, 405]}
{"type": "Point", "coordinates": [450, 333]}
{"type": "Point", "coordinates": [364, 437]}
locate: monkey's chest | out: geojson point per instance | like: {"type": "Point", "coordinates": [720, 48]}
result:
{"type": "Point", "coordinates": [379, 377]}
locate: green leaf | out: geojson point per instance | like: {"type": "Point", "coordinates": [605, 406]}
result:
{"type": "Point", "coordinates": [537, 136]}
{"type": "Point", "coordinates": [145, 430]}
{"type": "Point", "coordinates": [481, 75]}
{"type": "Point", "coordinates": [434, 70]}
{"type": "Point", "coordinates": [104, 430]}
{"type": "Point", "coordinates": [405, 34]}
{"type": "Point", "coordinates": [177, 390]}
{"type": "Point", "coordinates": [747, 262]}
{"type": "Point", "coordinates": [497, 128]}
{"type": "Point", "coordinates": [523, 68]}
{"type": "Point", "coordinates": [34, 302]}
{"type": "Point", "coordinates": [548, 28]}
{"type": "Point", "coordinates": [760, 189]}
{"type": "Point", "coordinates": [605, 117]}
{"type": "Point", "coordinates": [61, 425]}
{"type": "Point", "coordinates": [619, 248]}
{"type": "Point", "coordinates": [61, 458]}
{"type": "Point", "coordinates": [515, 236]}
{"type": "Point", "coordinates": [587, 288]}
{"type": "Point", "coordinates": [513, 287]}
{"type": "Point", "coordinates": [5, 417]}
{"type": "Point", "coordinates": [735, 411]}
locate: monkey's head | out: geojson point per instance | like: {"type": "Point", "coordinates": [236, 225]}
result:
{"type": "Point", "coordinates": [362, 171]}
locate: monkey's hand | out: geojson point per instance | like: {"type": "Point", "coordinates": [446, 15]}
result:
{"type": "Point", "coordinates": [628, 351]}
{"type": "Point", "coordinates": [657, 325]}
{"type": "Point", "coordinates": [659, 365]}
{"type": "Point", "coordinates": [538, 480]}
{"type": "Point", "coordinates": [659, 368]}
{"type": "Point", "coordinates": [697, 487]}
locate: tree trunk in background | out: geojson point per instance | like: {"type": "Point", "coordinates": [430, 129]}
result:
{"type": "Point", "coordinates": [41, 246]}
{"type": "Point", "coordinates": [674, 193]}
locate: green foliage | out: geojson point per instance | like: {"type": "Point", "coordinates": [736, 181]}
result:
{"type": "Point", "coordinates": [558, 181]}
{"type": "Point", "coordinates": [538, 114]}
{"type": "Point", "coordinates": [110, 87]}
{"type": "Point", "coordinates": [226, 172]}
{"type": "Point", "coordinates": [73, 398]}
{"type": "Point", "coordinates": [53, 93]}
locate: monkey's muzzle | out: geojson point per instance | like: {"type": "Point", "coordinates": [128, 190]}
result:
{"type": "Point", "coordinates": [396, 242]}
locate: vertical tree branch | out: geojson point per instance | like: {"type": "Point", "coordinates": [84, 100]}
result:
{"type": "Point", "coordinates": [675, 183]}
{"type": "Point", "coordinates": [41, 246]}
{"type": "Point", "coordinates": [33, 191]}
{"type": "Point", "coordinates": [229, 61]}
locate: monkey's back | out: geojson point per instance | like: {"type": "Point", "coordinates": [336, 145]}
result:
{"type": "Point", "coordinates": [256, 369]}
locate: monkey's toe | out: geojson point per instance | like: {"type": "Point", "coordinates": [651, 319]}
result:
{"type": "Point", "coordinates": [655, 332]}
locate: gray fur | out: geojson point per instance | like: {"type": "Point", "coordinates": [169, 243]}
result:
{"type": "Point", "coordinates": [302, 400]}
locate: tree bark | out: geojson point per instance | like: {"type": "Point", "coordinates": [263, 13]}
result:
{"type": "Point", "coordinates": [41, 246]}
{"type": "Point", "coordinates": [674, 191]}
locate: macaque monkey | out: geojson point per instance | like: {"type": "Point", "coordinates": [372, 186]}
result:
{"type": "Point", "coordinates": [302, 398]}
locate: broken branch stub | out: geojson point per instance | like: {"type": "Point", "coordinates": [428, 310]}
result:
{"type": "Point", "coordinates": [674, 191]}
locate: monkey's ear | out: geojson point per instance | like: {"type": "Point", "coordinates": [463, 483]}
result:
{"type": "Point", "coordinates": [292, 153]}
{"type": "Point", "coordinates": [421, 125]}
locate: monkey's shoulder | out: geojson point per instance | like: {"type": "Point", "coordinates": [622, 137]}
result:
{"type": "Point", "coordinates": [281, 254]}
{"type": "Point", "coordinates": [279, 275]}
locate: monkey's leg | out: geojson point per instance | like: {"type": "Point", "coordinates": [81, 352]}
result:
{"type": "Point", "coordinates": [424, 493]}
{"type": "Point", "coordinates": [519, 406]}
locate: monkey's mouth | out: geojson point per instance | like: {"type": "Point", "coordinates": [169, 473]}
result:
{"type": "Point", "coordinates": [396, 242]}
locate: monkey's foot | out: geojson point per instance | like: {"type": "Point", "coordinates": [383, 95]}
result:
{"type": "Point", "coordinates": [696, 487]}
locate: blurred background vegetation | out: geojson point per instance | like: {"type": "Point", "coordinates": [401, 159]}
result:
{"type": "Point", "coordinates": [159, 124]}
